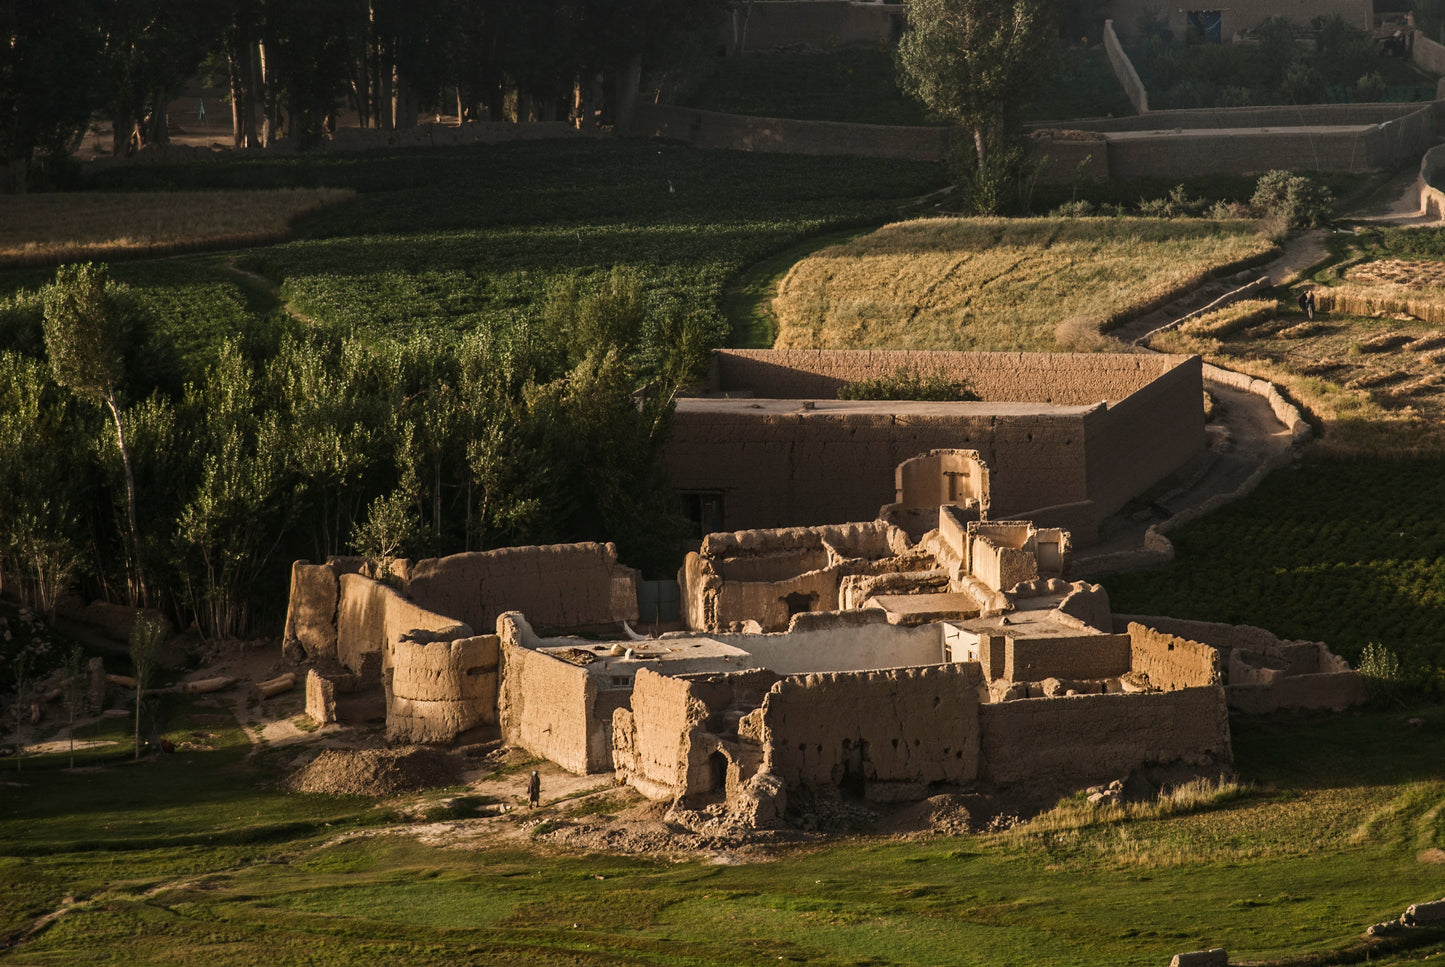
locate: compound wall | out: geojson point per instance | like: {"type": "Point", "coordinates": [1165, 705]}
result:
{"type": "Point", "coordinates": [548, 706]}
{"type": "Point", "coordinates": [1085, 738]}
{"type": "Point", "coordinates": [371, 619]}
{"type": "Point", "coordinates": [1171, 661]}
{"type": "Point", "coordinates": [920, 727]}
{"type": "Point", "coordinates": [778, 465]}
{"type": "Point", "coordinates": [739, 132]}
{"type": "Point", "coordinates": [441, 689]}
{"type": "Point", "coordinates": [557, 586]}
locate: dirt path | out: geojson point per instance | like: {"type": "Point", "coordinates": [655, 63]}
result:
{"type": "Point", "coordinates": [263, 285]}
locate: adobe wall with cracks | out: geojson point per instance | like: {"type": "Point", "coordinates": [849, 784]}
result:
{"type": "Point", "coordinates": [1262, 672]}
{"type": "Point", "coordinates": [440, 689]}
{"type": "Point", "coordinates": [921, 729]}
{"type": "Point", "coordinates": [549, 707]}
{"type": "Point", "coordinates": [766, 576]}
{"type": "Point", "coordinates": [1172, 661]}
{"type": "Point", "coordinates": [1073, 740]}
{"type": "Point", "coordinates": [558, 586]}
{"type": "Point", "coordinates": [371, 618]}
{"type": "Point", "coordinates": [1081, 657]}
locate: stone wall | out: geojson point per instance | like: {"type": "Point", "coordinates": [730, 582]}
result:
{"type": "Point", "coordinates": [557, 586]}
{"type": "Point", "coordinates": [1074, 658]}
{"type": "Point", "coordinates": [1079, 739]}
{"type": "Point", "coordinates": [1124, 70]}
{"type": "Point", "coordinates": [548, 706]}
{"type": "Point", "coordinates": [1171, 661]}
{"type": "Point", "coordinates": [809, 23]}
{"type": "Point", "coordinates": [371, 618]}
{"type": "Point", "coordinates": [920, 727]}
{"type": "Point", "coordinates": [440, 689]}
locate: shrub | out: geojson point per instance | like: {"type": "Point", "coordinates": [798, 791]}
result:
{"type": "Point", "coordinates": [1380, 670]}
{"type": "Point", "coordinates": [1294, 199]}
{"type": "Point", "coordinates": [1370, 87]}
{"type": "Point", "coordinates": [907, 383]}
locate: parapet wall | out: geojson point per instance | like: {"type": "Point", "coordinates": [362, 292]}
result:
{"type": "Point", "coordinates": [1066, 379]}
{"type": "Point", "coordinates": [740, 132]}
{"type": "Point", "coordinates": [920, 727]}
{"type": "Point", "coordinates": [1124, 70]}
{"type": "Point", "coordinates": [557, 586]}
{"type": "Point", "coordinates": [1084, 738]}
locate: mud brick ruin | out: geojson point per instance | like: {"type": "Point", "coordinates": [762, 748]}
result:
{"type": "Point", "coordinates": [934, 644]}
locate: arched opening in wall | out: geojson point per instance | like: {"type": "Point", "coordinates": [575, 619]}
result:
{"type": "Point", "coordinates": [853, 783]}
{"type": "Point", "coordinates": [800, 603]}
{"type": "Point", "coordinates": [717, 770]}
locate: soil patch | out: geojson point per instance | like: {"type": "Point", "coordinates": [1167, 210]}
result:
{"type": "Point", "coordinates": [374, 772]}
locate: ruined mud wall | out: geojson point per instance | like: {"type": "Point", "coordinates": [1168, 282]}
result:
{"type": "Point", "coordinates": [1144, 438]}
{"type": "Point", "coordinates": [442, 688]}
{"type": "Point", "coordinates": [1283, 674]}
{"type": "Point", "coordinates": [767, 603]}
{"type": "Point", "coordinates": [1088, 738]}
{"type": "Point", "coordinates": [311, 610]}
{"type": "Point", "coordinates": [921, 727]}
{"type": "Point", "coordinates": [648, 739]}
{"type": "Point", "coordinates": [557, 586]}
{"type": "Point", "coordinates": [371, 618]}
{"type": "Point", "coordinates": [814, 467]}
{"type": "Point", "coordinates": [1171, 661]}
{"type": "Point", "coordinates": [546, 706]}
{"type": "Point", "coordinates": [1078, 658]}
{"type": "Point", "coordinates": [1067, 379]}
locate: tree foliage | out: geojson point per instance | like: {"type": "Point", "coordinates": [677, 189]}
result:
{"type": "Point", "coordinates": [974, 63]}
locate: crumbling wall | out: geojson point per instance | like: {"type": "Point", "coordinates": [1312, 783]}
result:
{"type": "Point", "coordinates": [372, 617]}
{"type": "Point", "coordinates": [1001, 553]}
{"type": "Point", "coordinates": [1081, 739]}
{"type": "Point", "coordinates": [957, 478]}
{"type": "Point", "coordinates": [1082, 657]}
{"type": "Point", "coordinates": [1276, 674]}
{"type": "Point", "coordinates": [1171, 661]}
{"type": "Point", "coordinates": [311, 610]}
{"type": "Point", "coordinates": [548, 706]}
{"type": "Point", "coordinates": [558, 586]}
{"type": "Point", "coordinates": [921, 727]}
{"type": "Point", "coordinates": [440, 689]}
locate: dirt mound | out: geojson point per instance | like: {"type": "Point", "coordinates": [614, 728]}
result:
{"type": "Point", "coordinates": [374, 772]}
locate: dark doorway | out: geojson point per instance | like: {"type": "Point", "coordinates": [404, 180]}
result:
{"type": "Point", "coordinates": [717, 767]}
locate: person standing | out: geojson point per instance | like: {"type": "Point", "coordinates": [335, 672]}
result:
{"type": "Point", "coordinates": [534, 789]}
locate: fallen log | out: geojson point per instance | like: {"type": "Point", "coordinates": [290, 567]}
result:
{"type": "Point", "coordinates": [124, 681]}
{"type": "Point", "coordinates": [277, 685]}
{"type": "Point", "coordinates": [205, 685]}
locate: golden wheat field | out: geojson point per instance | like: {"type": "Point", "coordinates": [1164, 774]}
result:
{"type": "Point", "coordinates": [1000, 284]}
{"type": "Point", "coordinates": [47, 229]}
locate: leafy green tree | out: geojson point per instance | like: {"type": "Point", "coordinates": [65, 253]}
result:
{"type": "Point", "coordinates": [974, 63]}
{"type": "Point", "coordinates": [42, 462]}
{"type": "Point", "coordinates": [86, 325]}
{"type": "Point", "coordinates": [48, 84]}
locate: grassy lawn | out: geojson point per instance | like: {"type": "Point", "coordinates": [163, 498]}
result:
{"type": "Point", "coordinates": [223, 868]}
{"type": "Point", "coordinates": [996, 284]}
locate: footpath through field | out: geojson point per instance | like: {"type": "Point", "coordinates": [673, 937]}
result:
{"type": "Point", "coordinates": [1246, 439]}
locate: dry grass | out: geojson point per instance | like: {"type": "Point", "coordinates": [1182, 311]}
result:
{"type": "Point", "coordinates": [49, 229]}
{"type": "Point", "coordinates": [999, 284]}
{"type": "Point", "coordinates": [1374, 383]}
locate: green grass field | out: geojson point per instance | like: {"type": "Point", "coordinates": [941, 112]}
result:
{"type": "Point", "coordinates": [199, 857]}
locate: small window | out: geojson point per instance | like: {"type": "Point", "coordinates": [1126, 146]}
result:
{"type": "Point", "coordinates": [704, 510]}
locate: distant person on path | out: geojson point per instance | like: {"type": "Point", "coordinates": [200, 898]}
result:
{"type": "Point", "coordinates": [1307, 302]}
{"type": "Point", "coordinates": [534, 789]}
